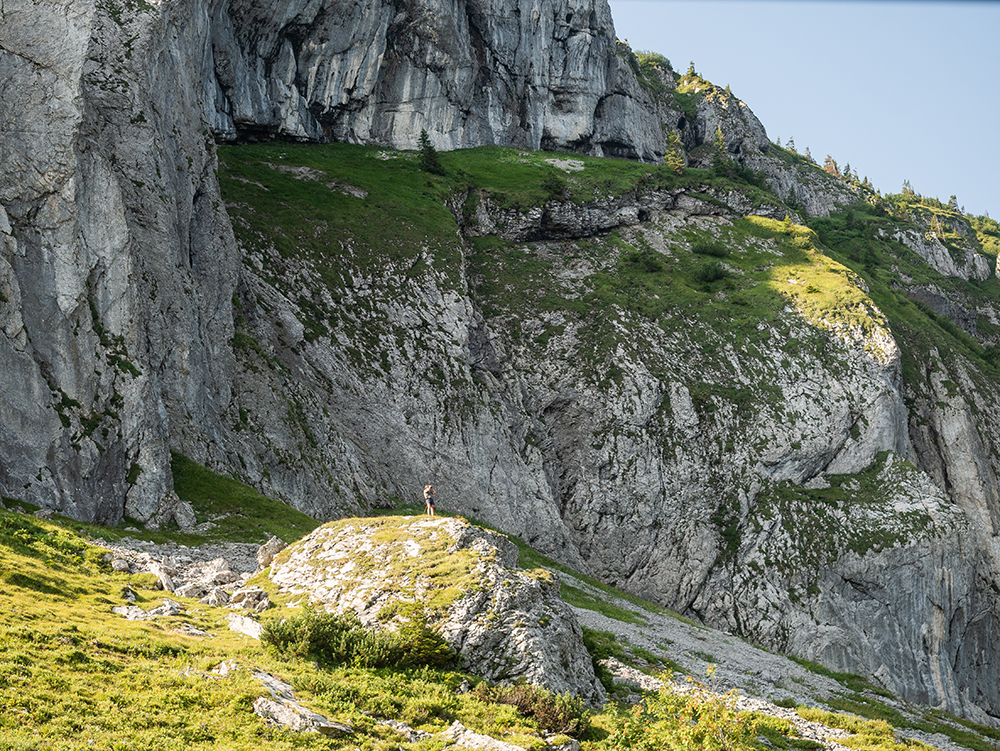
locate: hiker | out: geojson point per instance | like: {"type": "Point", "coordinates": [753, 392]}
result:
{"type": "Point", "coordinates": [429, 494]}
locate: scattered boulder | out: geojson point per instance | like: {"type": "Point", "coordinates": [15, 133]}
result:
{"type": "Point", "coordinates": [135, 613]}
{"type": "Point", "coordinates": [173, 509]}
{"type": "Point", "coordinates": [562, 743]}
{"type": "Point", "coordinates": [210, 572]}
{"type": "Point", "coordinates": [214, 572]}
{"type": "Point", "coordinates": [462, 736]}
{"type": "Point", "coordinates": [224, 668]}
{"type": "Point", "coordinates": [184, 516]}
{"type": "Point", "coordinates": [245, 625]}
{"type": "Point", "coordinates": [250, 598]}
{"type": "Point", "coordinates": [162, 575]}
{"type": "Point", "coordinates": [278, 688]}
{"type": "Point", "coordinates": [168, 608]}
{"type": "Point", "coordinates": [283, 709]}
{"type": "Point", "coordinates": [190, 590]}
{"type": "Point", "coordinates": [294, 716]}
{"type": "Point", "coordinates": [216, 597]}
{"type": "Point", "coordinates": [267, 551]}
{"type": "Point", "coordinates": [131, 612]}
{"type": "Point", "coordinates": [412, 735]}
{"type": "Point", "coordinates": [188, 630]}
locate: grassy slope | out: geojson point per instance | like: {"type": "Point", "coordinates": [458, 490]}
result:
{"type": "Point", "coordinates": [859, 238]}
{"type": "Point", "coordinates": [75, 676]}
{"type": "Point", "coordinates": [402, 224]}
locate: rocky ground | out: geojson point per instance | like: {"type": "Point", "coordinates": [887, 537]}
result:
{"type": "Point", "coordinates": [214, 573]}
{"type": "Point", "coordinates": [760, 678]}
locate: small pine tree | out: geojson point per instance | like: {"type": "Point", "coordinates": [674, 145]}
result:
{"type": "Point", "coordinates": [720, 141]}
{"type": "Point", "coordinates": [791, 145]}
{"type": "Point", "coordinates": [778, 143]}
{"type": "Point", "coordinates": [674, 158]}
{"type": "Point", "coordinates": [691, 71]}
{"type": "Point", "coordinates": [792, 199]}
{"type": "Point", "coordinates": [429, 156]}
{"type": "Point", "coordinates": [830, 165]}
{"type": "Point", "coordinates": [847, 171]}
{"type": "Point", "coordinates": [953, 203]}
{"type": "Point", "coordinates": [907, 188]}
{"type": "Point", "coordinates": [809, 156]}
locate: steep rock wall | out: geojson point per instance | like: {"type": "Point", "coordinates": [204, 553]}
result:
{"type": "Point", "coordinates": [528, 73]}
{"type": "Point", "coordinates": [640, 463]}
{"type": "Point", "coordinates": [119, 258]}
{"type": "Point", "coordinates": [119, 266]}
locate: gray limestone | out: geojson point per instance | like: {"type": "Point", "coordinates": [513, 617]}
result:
{"type": "Point", "coordinates": [506, 624]}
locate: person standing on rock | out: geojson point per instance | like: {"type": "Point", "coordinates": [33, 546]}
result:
{"type": "Point", "coordinates": [429, 494]}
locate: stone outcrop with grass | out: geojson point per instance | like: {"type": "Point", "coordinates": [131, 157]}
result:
{"type": "Point", "coordinates": [504, 623]}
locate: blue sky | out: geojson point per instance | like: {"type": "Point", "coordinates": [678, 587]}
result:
{"type": "Point", "coordinates": [900, 90]}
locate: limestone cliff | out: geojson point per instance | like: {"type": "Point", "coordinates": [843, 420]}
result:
{"type": "Point", "coordinates": [528, 73]}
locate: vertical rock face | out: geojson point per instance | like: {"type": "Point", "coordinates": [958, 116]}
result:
{"type": "Point", "coordinates": [528, 73]}
{"type": "Point", "coordinates": [119, 262]}
{"type": "Point", "coordinates": [119, 265]}
{"type": "Point", "coordinates": [69, 294]}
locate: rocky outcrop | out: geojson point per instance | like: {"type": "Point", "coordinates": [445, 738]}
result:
{"type": "Point", "coordinates": [283, 710]}
{"type": "Point", "coordinates": [943, 304]}
{"type": "Point", "coordinates": [216, 574]}
{"type": "Point", "coordinates": [504, 623]}
{"type": "Point", "coordinates": [963, 263]}
{"type": "Point", "coordinates": [509, 72]}
{"type": "Point", "coordinates": [803, 186]}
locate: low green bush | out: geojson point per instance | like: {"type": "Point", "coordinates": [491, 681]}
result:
{"type": "Point", "coordinates": [694, 719]}
{"type": "Point", "coordinates": [343, 640]}
{"type": "Point", "coordinates": [710, 272]}
{"type": "Point", "coordinates": [710, 248]}
{"type": "Point", "coordinates": [554, 713]}
{"type": "Point", "coordinates": [643, 261]}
